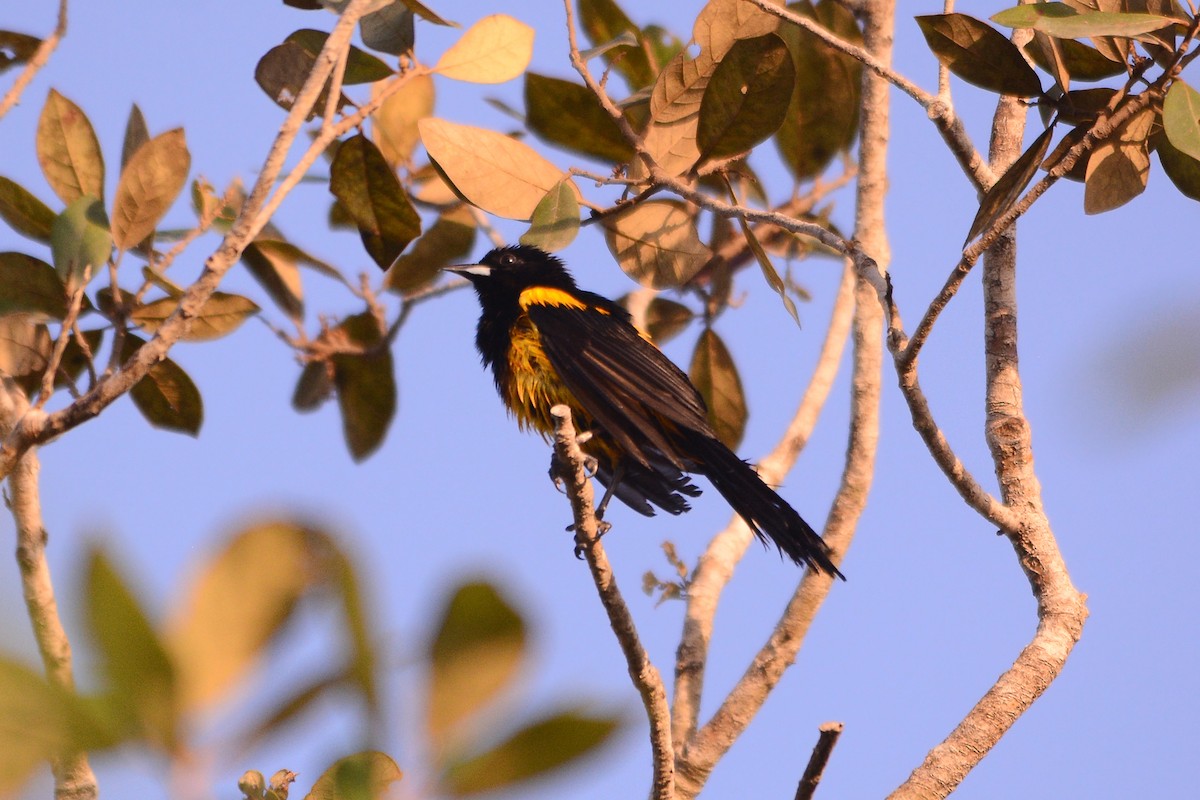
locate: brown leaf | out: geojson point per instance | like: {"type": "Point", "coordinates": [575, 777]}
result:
{"type": "Point", "coordinates": [714, 374]}
{"type": "Point", "coordinates": [149, 184]}
{"type": "Point", "coordinates": [369, 190]}
{"type": "Point", "coordinates": [68, 150]}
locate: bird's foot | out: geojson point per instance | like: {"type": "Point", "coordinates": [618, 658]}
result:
{"type": "Point", "coordinates": [557, 466]}
{"type": "Point", "coordinates": [582, 545]}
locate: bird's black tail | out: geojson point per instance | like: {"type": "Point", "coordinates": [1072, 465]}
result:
{"type": "Point", "coordinates": [767, 514]}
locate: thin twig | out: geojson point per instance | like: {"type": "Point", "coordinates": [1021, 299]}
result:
{"type": "Point", "coordinates": [36, 61]}
{"type": "Point", "coordinates": [571, 469]}
{"type": "Point", "coordinates": [64, 337]}
{"type": "Point", "coordinates": [827, 738]}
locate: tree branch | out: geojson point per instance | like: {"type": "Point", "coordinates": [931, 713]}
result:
{"type": "Point", "coordinates": [36, 61]}
{"type": "Point", "coordinates": [646, 679]}
{"type": "Point", "coordinates": [827, 738]}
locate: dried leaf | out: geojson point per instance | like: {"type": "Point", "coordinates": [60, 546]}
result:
{"type": "Point", "coordinates": [16, 48]}
{"type": "Point", "coordinates": [149, 184]}
{"type": "Point", "coordinates": [136, 135]}
{"type": "Point", "coordinates": [722, 22]}
{"type": "Point", "coordinates": [494, 50]}
{"type": "Point", "coordinates": [275, 270]}
{"type": "Point", "coordinates": [68, 150]}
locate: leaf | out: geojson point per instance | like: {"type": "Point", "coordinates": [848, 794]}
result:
{"type": "Point", "coordinates": [1118, 166]}
{"type": "Point", "coordinates": [292, 706]}
{"type": "Point", "coordinates": [768, 270]}
{"type": "Point", "coordinates": [603, 21]}
{"type": "Point", "coordinates": [665, 319]}
{"type": "Point", "coordinates": [355, 623]}
{"type": "Point", "coordinates": [16, 48]}
{"type": "Point", "coordinates": [389, 29]}
{"type": "Point", "coordinates": [132, 658]}
{"type": "Point", "coordinates": [716, 377]}
{"type": "Point", "coordinates": [1064, 22]}
{"type": "Point", "coordinates": [721, 23]}
{"type": "Point", "coordinates": [492, 171]}
{"type": "Point", "coordinates": [537, 748]}
{"type": "Point", "coordinates": [822, 118]}
{"type": "Point", "coordinates": [282, 72]}
{"type": "Point", "coordinates": [746, 97]}
{"type": "Point", "coordinates": [362, 776]}
{"type": "Point", "coordinates": [361, 67]}
{"type": "Point", "coordinates": [979, 54]}
{"type": "Point", "coordinates": [1006, 191]}
{"type": "Point", "coordinates": [366, 386]}
{"type": "Point", "coordinates": [366, 186]}
{"type": "Point", "coordinates": [166, 396]}
{"type": "Point", "coordinates": [1180, 115]}
{"type": "Point", "coordinates": [313, 387]}
{"type": "Point", "coordinates": [424, 13]}
{"type": "Point", "coordinates": [149, 184]}
{"type": "Point", "coordinates": [75, 360]}
{"type": "Point", "coordinates": [25, 348]}
{"type": "Point", "coordinates": [494, 50]}
{"type": "Point", "coordinates": [68, 150]}
{"type": "Point", "coordinates": [656, 243]}
{"type": "Point", "coordinates": [31, 286]}
{"type": "Point", "coordinates": [237, 603]}
{"type": "Point", "coordinates": [24, 213]}
{"type": "Point", "coordinates": [1181, 169]}
{"type": "Point", "coordinates": [79, 239]}
{"type": "Point", "coordinates": [555, 221]}
{"type": "Point", "coordinates": [276, 271]}
{"type": "Point", "coordinates": [394, 123]}
{"type": "Point", "coordinates": [568, 114]}
{"type": "Point", "coordinates": [449, 240]}
{"type": "Point", "coordinates": [477, 650]}
{"type": "Point", "coordinates": [136, 135]}
{"type": "Point", "coordinates": [1082, 63]}
{"type": "Point", "coordinates": [675, 102]}
{"type": "Point", "coordinates": [221, 315]}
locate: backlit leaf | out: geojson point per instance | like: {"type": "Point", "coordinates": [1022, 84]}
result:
{"type": "Point", "coordinates": [362, 776]}
{"type": "Point", "coordinates": [30, 285]}
{"type": "Point", "coordinates": [656, 243]}
{"type": "Point", "coordinates": [166, 396]}
{"type": "Point", "coordinates": [1006, 191]}
{"type": "Point", "coordinates": [16, 48]}
{"type": "Point", "coordinates": [369, 190]}
{"type": "Point", "coordinates": [68, 150]}
{"type": "Point", "coordinates": [979, 54]}
{"type": "Point", "coordinates": [1119, 166]}
{"type": "Point", "coordinates": [221, 315]}
{"type": "Point", "coordinates": [746, 98]}
{"type": "Point", "coordinates": [1182, 169]}
{"type": "Point", "coordinates": [1059, 19]}
{"type": "Point", "coordinates": [136, 135]}
{"type": "Point", "coordinates": [366, 386]}
{"type": "Point", "coordinates": [424, 13]}
{"type": "Point", "coordinates": [568, 114]}
{"type": "Point", "coordinates": [555, 220]}
{"type": "Point", "coordinates": [79, 239]}
{"type": "Point", "coordinates": [1083, 63]}
{"type": "Point", "coordinates": [361, 67]}
{"type": "Point", "coordinates": [282, 72]}
{"type": "Point", "coordinates": [1181, 118]}
{"type": "Point", "coordinates": [388, 29]}
{"type": "Point", "coordinates": [447, 242]}
{"type": "Point", "coordinates": [24, 213]}
{"type": "Point", "coordinates": [602, 21]}
{"type": "Point", "coordinates": [494, 50]}
{"type": "Point", "coordinates": [722, 22]}
{"type": "Point", "coordinates": [394, 123]}
{"type": "Point", "coordinates": [716, 377]}
{"type": "Point", "coordinates": [664, 319]}
{"type": "Point", "coordinates": [149, 184]}
{"type": "Point", "coordinates": [276, 271]}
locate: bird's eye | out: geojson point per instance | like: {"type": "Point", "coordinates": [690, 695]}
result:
{"type": "Point", "coordinates": [508, 260]}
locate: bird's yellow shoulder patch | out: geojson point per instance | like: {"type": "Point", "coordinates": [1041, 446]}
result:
{"type": "Point", "coordinates": [548, 296]}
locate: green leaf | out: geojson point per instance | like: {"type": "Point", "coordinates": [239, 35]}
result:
{"type": "Point", "coordinates": [68, 150]}
{"type": "Point", "coordinates": [602, 21]}
{"type": "Point", "coordinates": [149, 184]}
{"type": "Point", "coordinates": [361, 67]}
{"type": "Point", "coordinates": [537, 748]}
{"type": "Point", "coordinates": [569, 115]}
{"type": "Point", "coordinates": [495, 49]}
{"type": "Point", "coordinates": [368, 188]}
{"type": "Point", "coordinates": [555, 221]}
{"type": "Point", "coordinates": [24, 213]}
{"type": "Point", "coordinates": [477, 650]}
{"type": "Point", "coordinates": [221, 315]}
{"type": "Point", "coordinates": [362, 776]}
{"type": "Point", "coordinates": [388, 29]}
{"type": "Point", "coordinates": [656, 243]}
{"type": "Point", "coordinates": [979, 54]}
{"type": "Point", "coordinates": [1181, 118]}
{"type": "Point", "coordinates": [239, 601]}
{"type": "Point", "coordinates": [366, 386]}
{"type": "Point", "coordinates": [16, 48]}
{"type": "Point", "coordinates": [136, 667]}
{"type": "Point", "coordinates": [447, 242]}
{"type": "Point", "coordinates": [166, 396]}
{"type": "Point", "coordinates": [79, 239]}
{"type": "Point", "coordinates": [746, 98]}
{"type": "Point", "coordinates": [822, 119]}
{"type": "Point", "coordinates": [1006, 191]}
{"type": "Point", "coordinates": [30, 285]}
{"type": "Point", "coordinates": [136, 135]}
{"type": "Point", "coordinates": [1064, 22]}
{"type": "Point", "coordinates": [716, 377]}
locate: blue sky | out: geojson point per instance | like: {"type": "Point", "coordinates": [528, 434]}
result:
{"type": "Point", "coordinates": [935, 606]}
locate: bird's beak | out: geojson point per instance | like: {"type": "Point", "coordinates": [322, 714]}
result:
{"type": "Point", "coordinates": [469, 270]}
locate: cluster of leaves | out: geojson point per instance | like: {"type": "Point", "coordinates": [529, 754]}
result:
{"type": "Point", "coordinates": [1127, 39]}
{"type": "Point", "coordinates": [157, 679]}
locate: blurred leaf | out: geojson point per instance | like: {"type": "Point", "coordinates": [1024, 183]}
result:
{"type": "Point", "coordinates": [1119, 165]}
{"type": "Point", "coordinates": [68, 150]}
{"type": "Point", "coordinates": [74, 359]}
{"type": "Point", "coordinates": [281, 73]}
{"type": "Point", "coordinates": [24, 213]}
{"type": "Point", "coordinates": [424, 13]}
{"type": "Point", "coordinates": [1064, 22]}
{"type": "Point", "coordinates": [494, 50]}
{"type": "Point", "coordinates": [366, 386]}
{"type": "Point", "coordinates": [361, 67]}
{"type": "Point", "coordinates": [313, 387]}
{"type": "Point", "coordinates": [30, 285]}
{"type": "Point", "coordinates": [656, 243]}
{"type": "Point", "coordinates": [388, 29]}
{"type": "Point", "coordinates": [16, 48]}
{"type": "Point", "coordinates": [477, 650]}
{"type": "Point", "coordinates": [79, 239]}
{"type": "Point", "coordinates": [220, 316]}
{"type": "Point", "coordinates": [603, 21]}
{"type": "Point", "coordinates": [136, 135]}
{"type": "Point", "coordinates": [1180, 115]}
{"type": "Point", "coordinates": [239, 601]}
{"type": "Point", "coordinates": [492, 171]}
{"type": "Point", "coordinates": [746, 98]}
{"type": "Point", "coordinates": [716, 377]}
{"type": "Point", "coordinates": [555, 221]}
{"type": "Point", "coordinates": [149, 184]}
{"type": "Point", "coordinates": [539, 747]}
{"type": "Point", "coordinates": [362, 776]}
{"type": "Point", "coordinates": [1182, 169]}
{"type": "Point", "coordinates": [166, 396]}
{"type": "Point", "coordinates": [394, 123]}
{"type": "Point", "coordinates": [297, 702]}
{"type": "Point", "coordinates": [822, 119]}
{"type": "Point", "coordinates": [276, 272]}
{"type": "Point", "coordinates": [25, 348]}
{"type": "Point", "coordinates": [449, 240]}
{"type": "Point", "coordinates": [665, 319]}
{"type": "Point", "coordinates": [131, 656]}
{"type": "Point", "coordinates": [569, 115]}
{"type": "Point", "coordinates": [366, 186]}
{"type": "Point", "coordinates": [1006, 191]}
{"type": "Point", "coordinates": [979, 54]}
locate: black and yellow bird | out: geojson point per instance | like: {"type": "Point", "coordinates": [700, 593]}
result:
{"type": "Point", "coordinates": [549, 342]}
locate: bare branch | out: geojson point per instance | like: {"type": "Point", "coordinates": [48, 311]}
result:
{"type": "Point", "coordinates": [826, 740]}
{"type": "Point", "coordinates": [36, 62]}
{"type": "Point", "coordinates": [642, 672]}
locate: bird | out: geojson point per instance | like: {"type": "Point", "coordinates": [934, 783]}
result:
{"type": "Point", "coordinates": [548, 342]}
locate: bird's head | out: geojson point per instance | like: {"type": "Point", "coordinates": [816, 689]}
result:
{"type": "Point", "coordinates": [505, 272]}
